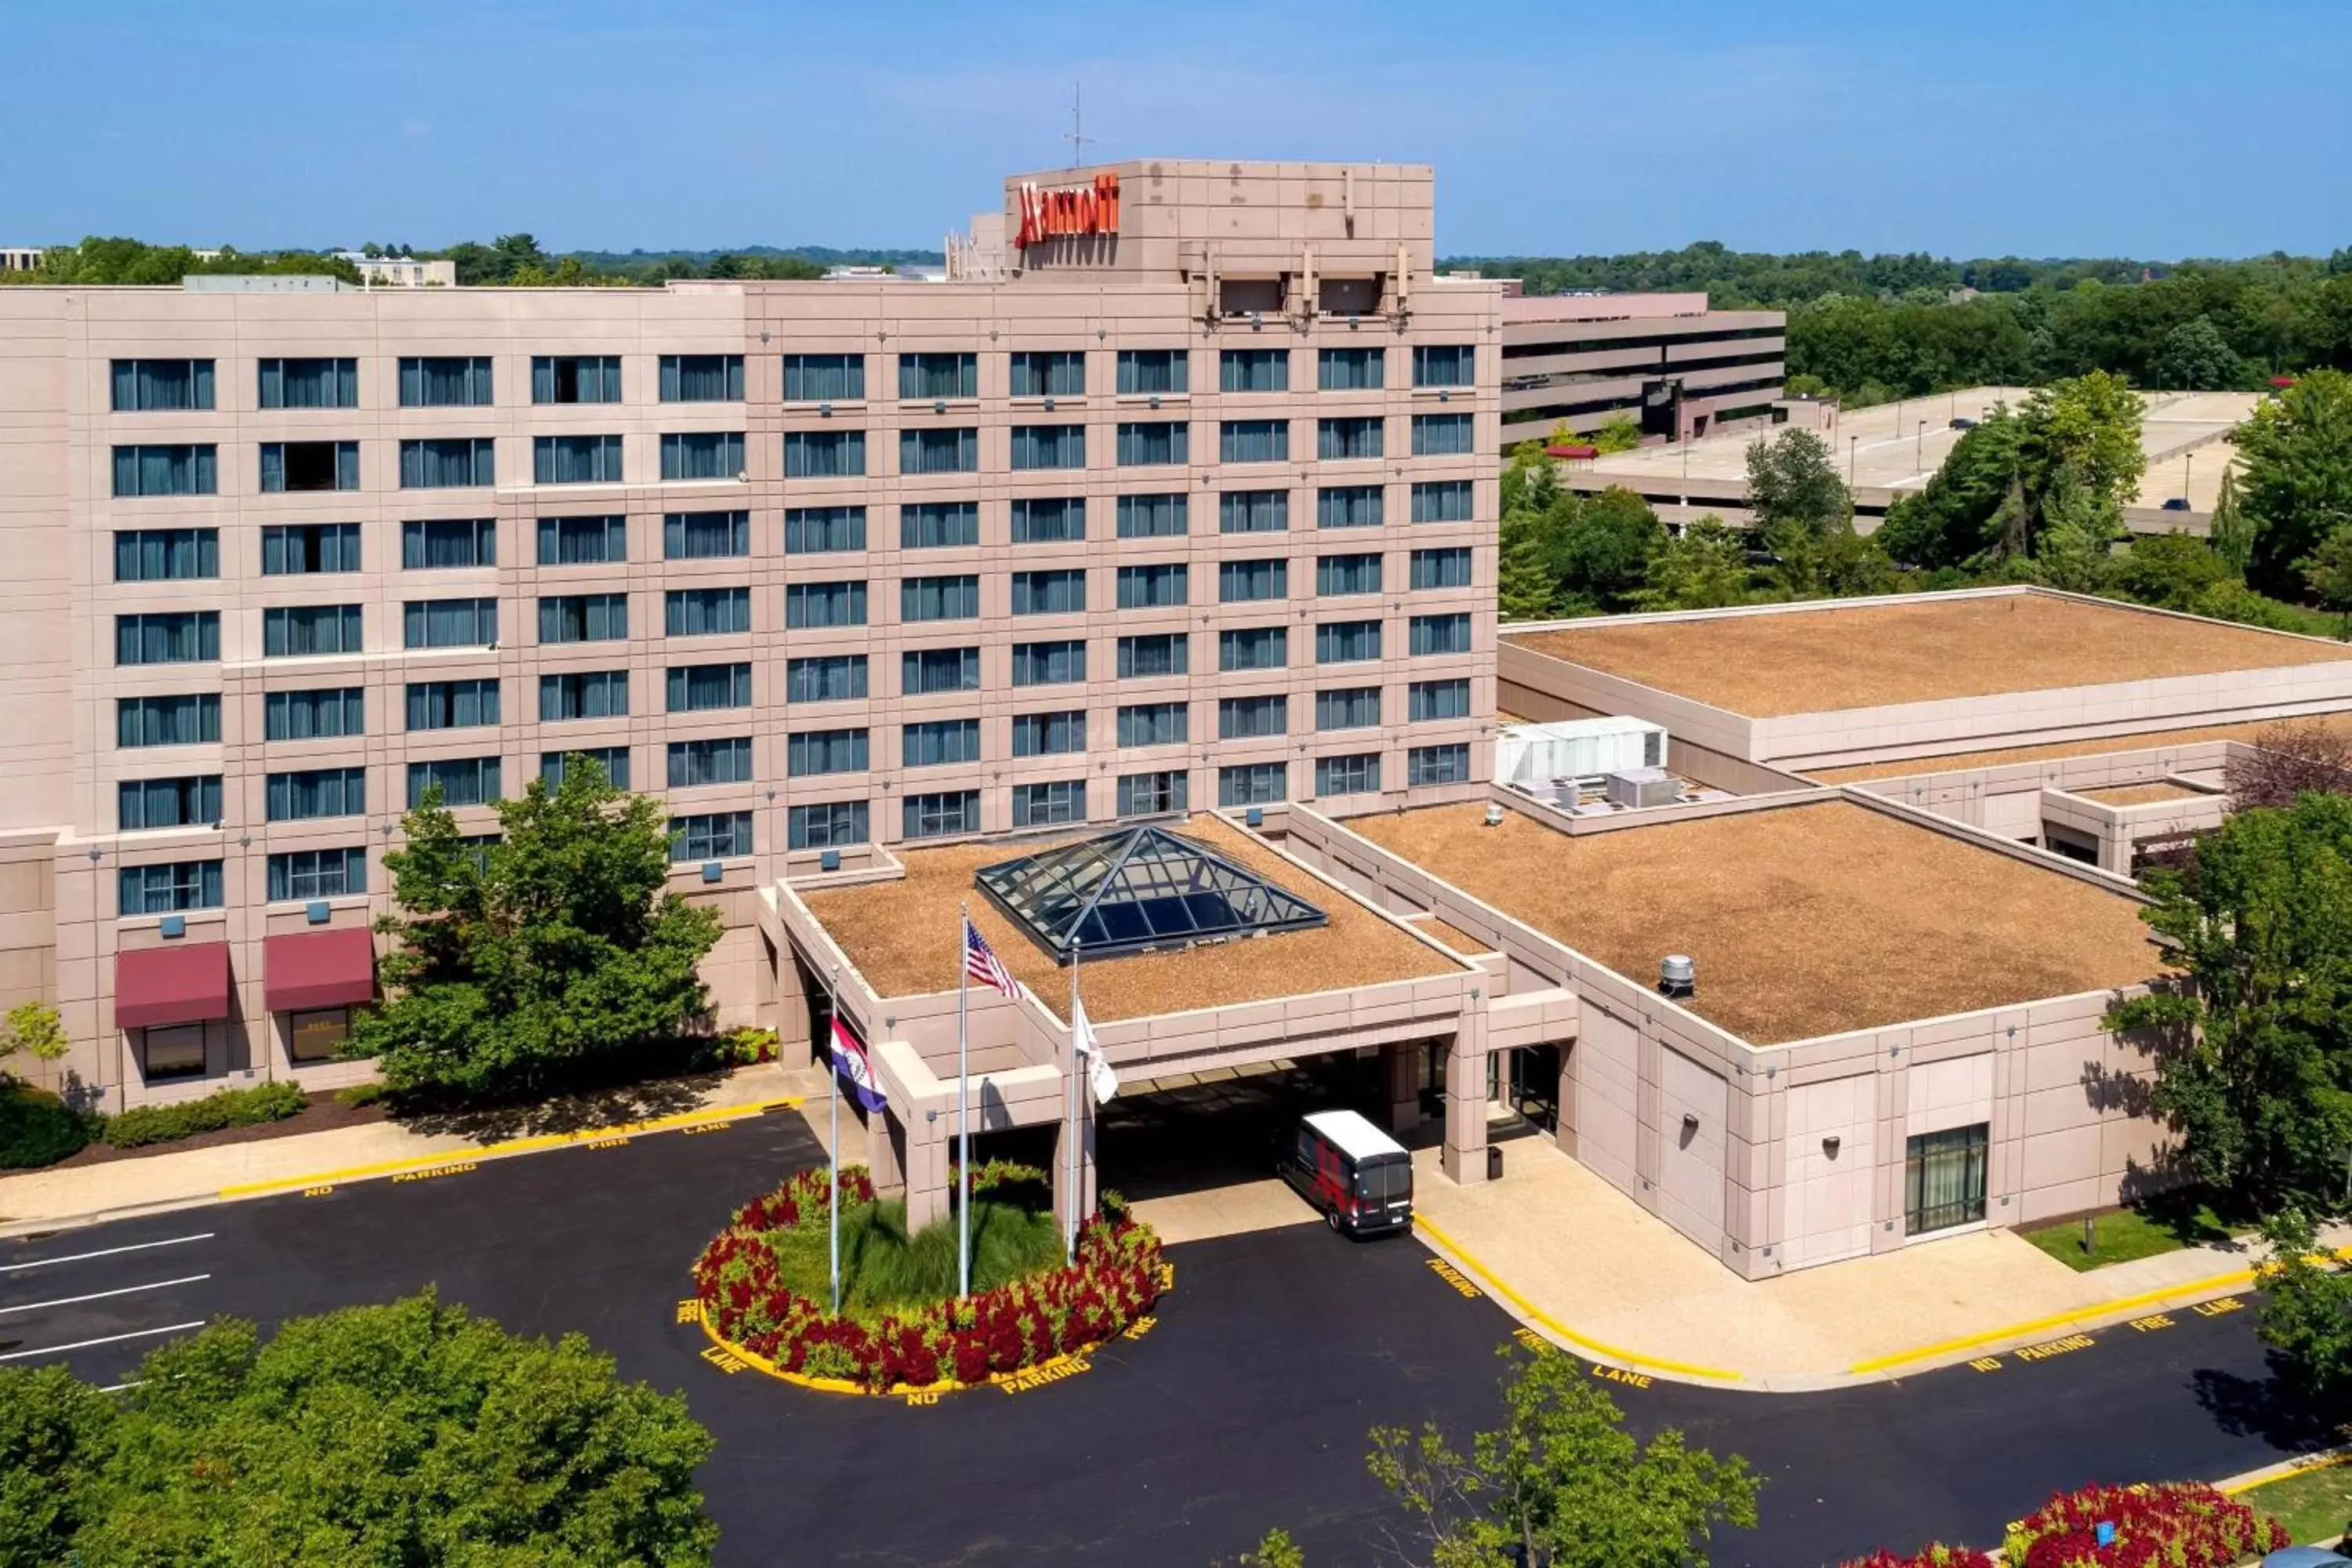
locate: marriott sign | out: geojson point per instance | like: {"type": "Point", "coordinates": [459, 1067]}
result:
{"type": "Point", "coordinates": [1059, 211]}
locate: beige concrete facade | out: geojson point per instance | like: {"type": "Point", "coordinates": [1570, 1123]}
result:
{"type": "Point", "coordinates": [1584, 359]}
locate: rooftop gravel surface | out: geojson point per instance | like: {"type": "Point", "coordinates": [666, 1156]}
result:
{"type": "Point", "coordinates": [2056, 750]}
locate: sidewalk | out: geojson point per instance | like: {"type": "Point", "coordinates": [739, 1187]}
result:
{"type": "Point", "coordinates": [43, 1199]}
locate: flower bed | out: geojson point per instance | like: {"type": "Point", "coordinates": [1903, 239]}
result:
{"type": "Point", "coordinates": [1118, 1274]}
{"type": "Point", "coordinates": [1936, 1557]}
{"type": "Point", "coordinates": [2179, 1525]}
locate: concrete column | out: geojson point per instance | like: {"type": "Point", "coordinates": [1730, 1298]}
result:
{"type": "Point", "coordinates": [884, 1138]}
{"type": "Point", "coordinates": [791, 1010]}
{"type": "Point", "coordinates": [926, 1173]}
{"type": "Point", "coordinates": [2116, 851]}
{"type": "Point", "coordinates": [1401, 1077]}
{"type": "Point", "coordinates": [1464, 1155]}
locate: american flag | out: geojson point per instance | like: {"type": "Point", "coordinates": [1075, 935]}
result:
{"type": "Point", "coordinates": [981, 962]}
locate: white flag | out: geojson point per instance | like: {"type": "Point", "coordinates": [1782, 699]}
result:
{"type": "Point", "coordinates": [1089, 1054]}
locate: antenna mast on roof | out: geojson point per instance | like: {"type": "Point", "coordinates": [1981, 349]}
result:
{"type": "Point", "coordinates": [1075, 135]}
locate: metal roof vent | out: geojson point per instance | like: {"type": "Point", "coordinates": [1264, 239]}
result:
{"type": "Point", "coordinates": [1494, 814]}
{"type": "Point", "coordinates": [1678, 975]}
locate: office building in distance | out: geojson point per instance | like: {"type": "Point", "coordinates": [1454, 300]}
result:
{"type": "Point", "coordinates": [1666, 360]}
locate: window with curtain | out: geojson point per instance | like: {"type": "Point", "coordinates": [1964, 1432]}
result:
{"type": "Point", "coordinates": [1444, 364]}
{"type": "Point", "coordinates": [612, 760]}
{"type": "Point", "coordinates": [575, 378]}
{"type": "Point", "coordinates": [463, 781]}
{"type": "Point", "coordinates": [1349, 506]}
{"type": "Point", "coordinates": [1944, 1179]}
{"type": "Point", "coordinates": [829, 678]}
{"type": "Point", "coordinates": [313, 793]}
{"type": "Point", "coordinates": [300, 548]}
{"type": "Point", "coordinates": [1144, 444]}
{"type": "Point", "coordinates": [825, 378]}
{"type": "Point", "coordinates": [1252, 783]}
{"type": "Point", "coordinates": [1358, 774]}
{"type": "Point", "coordinates": [1154, 724]}
{"type": "Point", "coordinates": [703, 455]}
{"type": "Point", "coordinates": [601, 541]}
{"type": "Point", "coordinates": [1155, 587]}
{"type": "Point", "coordinates": [1254, 441]}
{"type": "Point", "coordinates": [575, 459]}
{"type": "Point", "coordinates": [452, 704]}
{"type": "Point", "coordinates": [1154, 371]}
{"type": "Point", "coordinates": [1245, 582]}
{"type": "Point", "coordinates": [925, 671]}
{"type": "Point", "coordinates": [1049, 446]}
{"type": "Point", "coordinates": [1165, 515]}
{"type": "Point", "coordinates": [1339, 440]}
{"type": "Point", "coordinates": [1152, 795]}
{"type": "Point", "coordinates": [173, 636]}
{"type": "Point", "coordinates": [937, 376]}
{"type": "Point", "coordinates": [950, 452]}
{"type": "Point", "coordinates": [1253, 512]}
{"type": "Point", "coordinates": [1154, 653]}
{"type": "Point", "coordinates": [1049, 519]}
{"type": "Point", "coordinates": [714, 535]}
{"type": "Point", "coordinates": [1349, 707]}
{"type": "Point", "coordinates": [1047, 804]}
{"type": "Point", "coordinates": [158, 386]}
{"type": "Point", "coordinates": [940, 742]}
{"type": "Point", "coordinates": [1441, 435]}
{"type": "Point", "coordinates": [1253, 718]}
{"type": "Point", "coordinates": [449, 463]}
{"type": "Point", "coordinates": [724, 761]}
{"type": "Point", "coordinates": [813, 753]}
{"type": "Point", "coordinates": [706, 612]}
{"type": "Point", "coordinates": [1442, 500]}
{"type": "Point", "coordinates": [1058, 663]}
{"type": "Point", "coordinates": [1058, 373]}
{"type": "Point", "coordinates": [1058, 592]}
{"type": "Point", "coordinates": [1440, 568]}
{"type": "Point", "coordinates": [710, 836]}
{"type": "Point", "coordinates": [938, 525]}
{"type": "Point", "coordinates": [936, 815]}
{"type": "Point", "coordinates": [309, 382]}
{"type": "Point", "coordinates": [1429, 701]}
{"type": "Point", "coordinates": [584, 694]}
{"type": "Point", "coordinates": [449, 622]}
{"type": "Point", "coordinates": [708, 687]}
{"type": "Point", "coordinates": [170, 888]}
{"type": "Point", "coordinates": [301, 874]}
{"type": "Point", "coordinates": [835, 824]}
{"type": "Point", "coordinates": [1054, 734]}
{"type": "Point", "coordinates": [143, 804]}
{"type": "Point", "coordinates": [298, 631]}
{"type": "Point", "coordinates": [701, 378]}
{"type": "Point", "coordinates": [1349, 370]}
{"type": "Point", "coordinates": [167, 471]}
{"type": "Point", "coordinates": [318, 714]}
{"type": "Point", "coordinates": [822, 530]}
{"type": "Point", "coordinates": [585, 617]}
{"type": "Point", "coordinates": [825, 454]}
{"type": "Point", "coordinates": [1427, 765]}
{"type": "Point", "coordinates": [166, 554]}
{"type": "Point", "coordinates": [190, 719]}
{"type": "Point", "coordinates": [449, 542]}
{"type": "Point", "coordinates": [1337, 575]}
{"type": "Point", "coordinates": [1439, 634]}
{"type": "Point", "coordinates": [1253, 647]}
{"type": "Point", "coordinates": [298, 467]}
{"type": "Point", "coordinates": [1347, 642]}
{"type": "Point", "coordinates": [955, 598]}
{"type": "Point", "coordinates": [1253, 370]}
{"type": "Point", "coordinates": [810, 605]}
{"type": "Point", "coordinates": [447, 381]}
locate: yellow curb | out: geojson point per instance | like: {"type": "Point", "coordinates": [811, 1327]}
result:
{"type": "Point", "coordinates": [2286, 1471]}
{"type": "Point", "coordinates": [1529, 1310]}
{"type": "Point", "coordinates": [512, 1146]}
{"type": "Point", "coordinates": [1074, 1362]}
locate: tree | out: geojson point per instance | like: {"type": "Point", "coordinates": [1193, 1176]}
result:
{"type": "Point", "coordinates": [2287, 759]}
{"type": "Point", "coordinates": [2306, 1315]}
{"type": "Point", "coordinates": [1838, 564]}
{"type": "Point", "coordinates": [2196, 356]}
{"type": "Point", "coordinates": [552, 950]}
{"type": "Point", "coordinates": [1706, 568]}
{"type": "Point", "coordinates": [1955, 519]}
{"type": "Point", "coordinates": [1560, 1482]}
{"type": "Point", "coordinates": [2327, 570]}
{"type": "Point", "coordinates": [1597, 551]}
{"type": "Point", "coordinates": [2297, 453]}
{"type": "Point", "coordinates": [1793, 481]}
{"type": "Point", "coordinates": [2232, 532]}
{"type": "Point", "coordinates": [410, 1434]}
{"type": "Point", "coordinates": [2171, 571]}
{"type": "Point", "coordinates": [34, 1028]}
{"type": "Point", "coordinates": [2084, 432]}
{"type": "Point", "coordinates": [2255, 1064]}
{"type": "Point", "coordinates": [1618, 433]}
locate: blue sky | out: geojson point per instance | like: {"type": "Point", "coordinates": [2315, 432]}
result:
{"type": "Point", "coordinates": [2058, 127]}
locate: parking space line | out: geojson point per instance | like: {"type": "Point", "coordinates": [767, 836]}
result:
{"type": "Point", "coordinates": [104, 1252]}
{"type": "Point", "coordinates": [102, 1295]}
{"type": "Point", "coordinates": [108, 1340]}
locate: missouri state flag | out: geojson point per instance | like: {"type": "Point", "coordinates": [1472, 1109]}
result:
{"type": "Point", "coordinates": [850, 1061]}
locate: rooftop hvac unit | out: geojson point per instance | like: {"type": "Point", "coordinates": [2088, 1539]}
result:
{"type": "Point", "coordinates": [1532, 755]}
{"type": "Point", "coordinates": [1637, 787]}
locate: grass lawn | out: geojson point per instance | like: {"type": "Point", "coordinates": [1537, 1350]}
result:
{"type": "Point", "coordinates": [2162, 1224]}
{"type": "Point", "coordinates": [2313, 1506]}
{"type": "Point", "coordinates": [883, 1269]}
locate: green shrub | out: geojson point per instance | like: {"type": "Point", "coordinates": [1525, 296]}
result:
{"type": "Point", "coordinates": [147, 1124]}
{"type": "Point", "coordinates": [366, 1093]}
{"type": "Point", "coordinates": [36, 1128]}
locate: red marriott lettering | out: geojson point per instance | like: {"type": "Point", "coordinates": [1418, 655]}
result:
{"type": "Point", "coordinates": [1068, 210]}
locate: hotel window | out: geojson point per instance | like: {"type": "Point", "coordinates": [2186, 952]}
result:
{"type": "Point", "coordinates": [302, 874]}
{"type": "Point", "coordinates": [141, 804]}
{"type": "Point", "coordinates": [833, 678]}
{"type": "Point", "coordinates": [1049, 805]}
{"type": "Point", "coordinates": [583, 541]}
{"type": "Point", "coordinates": [825, 454]}
{"type": "Point", "coordinates": [450, 543]}
{"type": "Point", "coordinates": [1057, 735]}
{"type": "Point", "coordinates": [701, 378]}
{"type": "Point", "coordinates": [575, 378]}
{"type": "Point", "coordinates": [1152, 795]}
{"type": "Point", "coordinates": [1359, 775]}
{"type": "Point", "coordinates": [584, 694]}
{"type": "Point", "coordinates": [452, 704]}
{"type": "Point", "coordinates": [1439, 634]}
{"type": "Point", "coordinates": [718, 761]}
{"type": "Point", "coordinates": [301, 549]}
{"type": "Point", "coordinates": [1153, 516]}
{"type": "Point", "coordinates": [319, 713]}
{"type": "Point", "coordinates": [937, 376]}
{"type": "Point", "coordinates": [940, 742]}
{"type": "Point", "coordinates": [452, 382]}
{"type": "Point", "coordinates": [318, 1034]}
{"type": "Point", "coordinates": [1252, 783]}
{"type": "Point", "coordinates": [170, 1051]}
{"type": "Point", "coordinates": [833, 826]}
{"type": "Point", "coordinates": [825, 378]}
{"type": "Point", "coordinates": [1253, 647]}
{"type": "Point", "coordinates": [1252, 717]}
{"type": "Point", "coordinates": [1349, 506]}
{"type": "Point", "coordinates": [1253, 370]}
{"type": "Point", "coordinates": [1253, 512]}
{"type": "Point", "coordinates": [1049, 446]}
{"type": "Point", "coordinates": [585, 617]}
{"type": "Point", "coordinates": [721, 535]}
{"type": "Point", "coordinates": [1154, 724]}
{"type": "Point", "coordinates": [1441, 435]}
{"type": "Point", "coordinates": [166, 554]}
{"type": "Point", "coordinates": [299, 466]}
{"type": "Point", "coordinates": [176, 636]}
{"type": "Point", "coordinates": [938, 598]}
{"type": "Point", "coordinates": [924, 671]}
{"type": "Point", "coordinates": [1444, 364]}
{"type": "Point", "coordinates": [710, 836]}
{"type": "Point", "coordinates": [1338, 575]}
{"type": "Point", "coordinates": [1157, 654]}
{"type": "Point", "coordinates": [463, 781]}
{"type": "Point", "coordinates": [575, 459]}
{"type": "Point", "coordinates": [1442, 500]}
{"type": "Point", "coordinates": [811, 605]}
{"type": "Point", "coordinates": [706, 612]}
{"type": "Point", "coordinates": [183, 470]}
{"type": "Point", "coordinates": [612, 761]}
{"type": "Point", "coordinates": [1060, 593]}
{"type": "Point", "coordinates": [1354, 707]}
{"type": "Point", "coordinates": [1049, 374]}
{"type": "Point", "coordinates": [1426, 701]}
{"type": "Point", "coordinates": [1165, 373]}
{"type": "Point", "coordinates": [708, 687]}
{"type": "Point", "coordinates": [1440, 568]}
{"type": "Point", "coordinates": [818, 529]}
{"type": "Point", "coordinates": [183, 720]}
{"type": "Point", "coordinates": [157, 385]}
{"type": "Point", "coordinates": [1254, 441]}
{"type": "Point", "coordinates": [1156, 587]}
{"type": "Point", "coordinates": [1347, 642]}
{"type": "Point", "coordinates": [1049, 519]}
{"type": "Point", "coordinates": [949, 451]}
{"type": "Point", "coordinates": [699, 455]}
{"type": "Point", "coordinates": [448, 463]}
{"type": "Point", "coordinates": [1338, 440]}
{"type": "Point", "coordinates": [170, 887]}
{"type": "Point", "coordinates": [1944, 1179]}
{"type": "Point", "coordinates": [309, 382]}
{"type": "Point", "coordinates": [940, 814]}
{"type": "Point", "coordinates": [1049, 663]}
{"type": "Point", "coordinates": [444, 623]}
{"type": "Point", "coordinates": [938, 525]}
{"type": "Point", "coordinates": [1349, 370]}
{"type": "Point", "coordinates": [1426, 765]}
{"type": "Point", "coordinates": [1247, 582]}
{"type": "Point", "coordinates": [1150, 443]}
{"type": "Point", "coordinates": [814, 752]}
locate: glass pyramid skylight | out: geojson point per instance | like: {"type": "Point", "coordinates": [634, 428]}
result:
{"type": "Point", "coordinates": [1143, 888]}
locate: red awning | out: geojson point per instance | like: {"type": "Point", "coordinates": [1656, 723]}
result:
{"type": "Point", "coordinates": [182, 982]}
{"type": "Point", "coordinates": [1571, 450]}
{"type": "Point", "coordinates": [318, 969]}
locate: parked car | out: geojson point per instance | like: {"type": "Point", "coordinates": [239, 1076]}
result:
{"type": "Point", "coordinates": [2305, 1557]}
{"type": "Point", "coordinates": [1964, 422]}
{"type": "Point", "coordinates": [1357, 1175]}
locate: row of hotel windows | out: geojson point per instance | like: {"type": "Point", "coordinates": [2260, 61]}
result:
{"type": "Point", "coordinates": [305, 467]}
{"type": "Point", "coordinates": [465, 381]}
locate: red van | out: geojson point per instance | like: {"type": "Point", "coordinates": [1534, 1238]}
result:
{"type": "Point", "coordinates": [1357, 1175]}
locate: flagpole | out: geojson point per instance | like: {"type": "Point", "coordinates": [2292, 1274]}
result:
{"type": "Point", "coordinates": [833, 1064]}
{"type": "Point", "coordinates": [963, 1107]}
{"type": "Point", "coordinates": [1070, 1123]}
